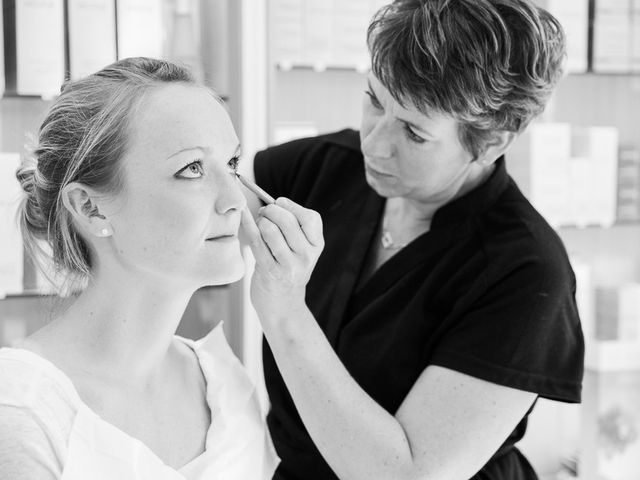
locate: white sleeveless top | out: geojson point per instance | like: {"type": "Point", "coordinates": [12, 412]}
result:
{"type": "Point", "coordinates": [43, 420]}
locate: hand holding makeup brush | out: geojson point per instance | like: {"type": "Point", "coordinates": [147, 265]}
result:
{"type": "Point", "coordinates": [286, 240]}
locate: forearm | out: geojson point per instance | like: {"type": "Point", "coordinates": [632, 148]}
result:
{"type": "Point", "coordinates": [357, 437]}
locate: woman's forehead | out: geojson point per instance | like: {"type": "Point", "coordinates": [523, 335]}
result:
{"type": "Point", "coordinates": [177, 116]}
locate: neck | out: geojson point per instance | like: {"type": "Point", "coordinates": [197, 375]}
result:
{"type": "Point", "coordinates": [124, 329]}
{"type": "Point", "coordinates": [406, 211]}
{"type": "Point", "coordinates": [405, 217]}
{"type": "Point", "coordinates": [417, 211]}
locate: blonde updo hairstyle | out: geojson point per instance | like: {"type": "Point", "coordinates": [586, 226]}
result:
{"type": "Point", "coordinates": [82, 139]}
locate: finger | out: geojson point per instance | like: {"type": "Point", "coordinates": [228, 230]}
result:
{"type": "Point", "coordinates": [310, 221]}
{"type": "Point", "coordinates": [260, 250]}
{"type": "Point", "coordinates": [289, 227]}
{"type": "Point", "coordinates": [275, 241]}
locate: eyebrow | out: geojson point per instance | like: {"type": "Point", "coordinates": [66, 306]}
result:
{"type": "Point", "coordinates": [411, 124]}
{"type": "Point", "coordinates": [237, 152]}
{"type": "Point", "coordinates": [186, 149]}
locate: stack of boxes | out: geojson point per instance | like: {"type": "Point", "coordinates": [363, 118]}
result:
{"type": "Point", "coordinates": [579, 176]}
{"type": "Point", "coordinates": [628, 209]}
{"type": "Point", "coordinates": [609, 29]}
{"type": "Point", "coordinates": [573, 174]}
{"type": "Point", "coordinates": [612, 36]}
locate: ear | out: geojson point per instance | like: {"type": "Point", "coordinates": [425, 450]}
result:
{"type": "Point", "coordinates": [499, 144]}
{"type": "Point", "coordinates": [83, 205]}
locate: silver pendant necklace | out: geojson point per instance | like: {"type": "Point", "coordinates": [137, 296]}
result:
{"type": "Point", "coordinates": [386, 239]}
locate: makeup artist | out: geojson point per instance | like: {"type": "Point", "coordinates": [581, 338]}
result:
{"type": "Point", "coordinates": [442, 305]}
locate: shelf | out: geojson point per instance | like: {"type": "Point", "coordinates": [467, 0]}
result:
{"type": "Point", "coordinates": [321, 67]}
{"type": "Point", "coordinates": [15, 96]}
{"type": "Point", "coordinates": [26, 97]}
{"type": "Point", "coordinates": [591, 228]}
{"type": "Point", "coordinates": [27, 294]}
{"type": "Point", "coordinates": [604, 74]}
{"type": "Point", "coordinates": [286, 66]}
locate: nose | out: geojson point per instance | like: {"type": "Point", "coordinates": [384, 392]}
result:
{"type": "Point", "coordinates": [377, 137]}
{"type": "Point", "coordinates": [230, 198]}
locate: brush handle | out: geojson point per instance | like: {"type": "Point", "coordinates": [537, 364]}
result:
{"type": "Point", "coordinates": [260, 193]}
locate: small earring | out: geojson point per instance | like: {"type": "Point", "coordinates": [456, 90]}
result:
{"type": "Point", "coordinates": [104, 232]}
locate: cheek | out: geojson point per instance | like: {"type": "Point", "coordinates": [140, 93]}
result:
{"type": "Point", "coordinates": [160, 224]}
{"type": "Point", "coordinates": [425, 168]}
{"type": "Point", "coordinates": [413, 163]}
{"type": "Point", "coordinates": [367, 121]}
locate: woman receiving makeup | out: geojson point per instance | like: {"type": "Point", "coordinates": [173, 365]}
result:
{"type": "Point", "coordinates": [132, 183]}
{"type": "Point", "coordinates": [443, 305]}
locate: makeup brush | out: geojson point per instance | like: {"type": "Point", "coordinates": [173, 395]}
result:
{"type": "Point", "coordinates": [260, 193]}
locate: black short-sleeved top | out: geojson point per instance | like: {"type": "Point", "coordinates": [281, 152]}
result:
{"type": "Point", "coordinates": [488, 291]}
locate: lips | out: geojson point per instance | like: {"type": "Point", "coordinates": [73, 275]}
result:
{"type": "Point", "coordinates": [375, 172]}
{"type": "Point", "coordinates": [227, 236]}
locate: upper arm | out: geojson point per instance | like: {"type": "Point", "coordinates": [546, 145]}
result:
{"type": "Point", "coordinates": [520, 339]}
{"type": "Point", "coordinates": [455, 422]}
{"type": "Point", "coordinates": [521, 331]}
{"type": "Point", "coordinates": [26, 451]}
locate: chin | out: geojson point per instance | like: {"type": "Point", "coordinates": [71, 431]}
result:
{"type": "Point", "coordinates": [223, 274]}
{"type": "Point", "coordinates": [381, 188]}
{"type": "Point", "coordinates": [237, 274]}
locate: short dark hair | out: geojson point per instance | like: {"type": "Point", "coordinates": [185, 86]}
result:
{"type": "Point", "coordinates": [491, 64]}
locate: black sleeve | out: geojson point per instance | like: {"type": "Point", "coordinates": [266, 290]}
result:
{"type": "Point", "coordinates": [523, 332]}
{"type": "Point", "coordinates": [292, 169]}
{"type": "Point", "coordinates": [277, 168]}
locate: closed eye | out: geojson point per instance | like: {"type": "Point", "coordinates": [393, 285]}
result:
{"type": "Point", "coordinates": [374, 100]}
{"type": "Point", "coordinates": [191, 171]}
{"type": "Point", "coordinates": [411, 135]}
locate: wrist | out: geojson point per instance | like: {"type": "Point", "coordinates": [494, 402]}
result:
{"type": "Point", "coordinates": [283, 310]}
{"type": "Point", "coordinates": [287, 328]}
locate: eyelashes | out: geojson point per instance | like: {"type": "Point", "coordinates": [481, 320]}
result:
{"type": "Point", "coordinates": [411, 135]}
{"type": "Point", "coordinates": [191, 170]}
{"type": "Point", "coordinates": [374, 100]}
{"type": "Point", "coordinates": [408, 132]}
{"type": "Point", "coordinates": [195, 169]}
{"type": "Point", "coordinates": [233, 163]}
